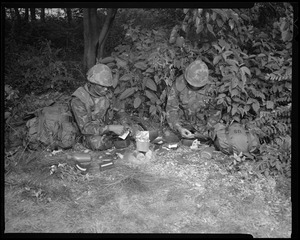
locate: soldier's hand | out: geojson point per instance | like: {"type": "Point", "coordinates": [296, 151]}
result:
{"type": "Point", "coordinates": [117, 129]}
{"type": "Point", "coordinates": [185, 133]}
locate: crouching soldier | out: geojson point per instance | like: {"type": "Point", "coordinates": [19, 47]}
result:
{"type": "Point", "coordinates": [90, 106]}
{"type": "Point", "coordinates": [188, 105]}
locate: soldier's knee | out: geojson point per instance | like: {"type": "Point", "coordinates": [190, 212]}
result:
{"type": "Point", "coordinates": [97, 142]}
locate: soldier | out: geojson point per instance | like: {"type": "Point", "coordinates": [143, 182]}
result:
{"type": "Point", "coordinates": [188, 104]}
{"type": "Point", "coordinates": [90, 105]}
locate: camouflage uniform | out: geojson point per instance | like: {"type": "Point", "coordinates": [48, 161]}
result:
{"type": "Point", "coordinates": [93, 113]}
{"type": "Point", "coordinates": [190, 109]}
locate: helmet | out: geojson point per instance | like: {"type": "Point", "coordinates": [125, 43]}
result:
{"type": "Point", "coordinates": [196, 73]}
{"type": "Point", "coordinates": [101, 75]}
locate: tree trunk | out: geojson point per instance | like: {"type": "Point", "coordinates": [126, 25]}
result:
{"type": "Point", "coordinates": [91, 33]}
{"type": "Point", "coordinates": [43, 14]}
{"type": "Point", "coordinates": [26, 15]}
{"type": "Point", "coordinates": [101, 48]}
{"type": "Point", "coordinates": [69, 15]}
{"type": "Point", "coordinates": [32, 14]}
{"type": "Point", "coordinates": [111, 13]}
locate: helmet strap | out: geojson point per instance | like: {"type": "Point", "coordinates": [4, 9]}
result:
{"type": "Point", "coordinates": [190, 87]}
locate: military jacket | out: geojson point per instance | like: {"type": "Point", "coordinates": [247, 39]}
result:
{"type": "Point", "coordinates": [90, 112]}
{"type": "Point", "coordinates": [187, 107]}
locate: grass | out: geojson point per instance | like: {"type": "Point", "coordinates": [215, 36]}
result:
{"type": "Point", "coordinates": [177, 192]}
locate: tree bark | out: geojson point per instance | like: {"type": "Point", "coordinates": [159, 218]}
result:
{"type": "Point", "coordinates": [43, 14]}
{"type": "Point", "coordinates": [32, 14]}
{"type": "Point", "coordinates": [26, 15]}
{"type": "Point", "coordinates": [101, 48]}
{"type": "Point", "coordinates": [69, 15]}
{"type": "Point", "coordinates": [94, 36]}
{"type": "Point", "coordinates": [91, 33]}
{"type": "Point", "coordinates": [111, 13]}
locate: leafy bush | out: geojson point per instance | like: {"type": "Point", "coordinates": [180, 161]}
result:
{"type": "Point", "coordinates": [38, 68]}
{"type": "Point", "coordinates": [252, 67]}
{"type": "Point", "coordinates": [276, 159]}
{"type": "Point", "coordinates": [148, 66]}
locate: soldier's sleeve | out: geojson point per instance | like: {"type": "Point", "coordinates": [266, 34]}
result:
{"type": "Point", "coordinates": [84, 120]}
{"type": "Point", "coordinates": [172, 109]}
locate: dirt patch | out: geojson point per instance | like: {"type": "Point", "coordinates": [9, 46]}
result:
{"type": "Point", "coordinates": [177, 192]}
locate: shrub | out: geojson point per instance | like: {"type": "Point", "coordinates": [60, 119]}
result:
{"type": "Point", "coordinates": [37, 68]}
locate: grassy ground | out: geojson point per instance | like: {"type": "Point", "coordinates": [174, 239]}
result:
{"type": "Point", "coordinates": [177, 192]}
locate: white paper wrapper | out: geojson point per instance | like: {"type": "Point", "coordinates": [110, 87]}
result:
{"type": "Point", "coordinates": [124, 135]}
{"type": "Point", "coordinates": [142, 136]}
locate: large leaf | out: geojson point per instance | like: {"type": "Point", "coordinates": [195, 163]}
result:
{"type": "Point", "coordinates": [214, 16]}
{"type": "Point", "coordinates": [234, 109]}
{"type": "Point", "coordinates": [151, 84]}
{"type": "Point", "coordinates": [244, 79]}
{"type": "Point", "coordinates": [179, 41]}
{"type": "Point", "coordinates": [217, 59]}
{"type": "Point", "coordinates": [256, 106]}
{"type": "Point", "coordinates": [219, 22]}
{"type": "Point", "coordinates": [141, 65]}
{"type": "Point", "coordinates": [221, 13]}
{"type": "Point", "coordinates": [197, 21]}
{"type": "Point", "coordinates": [150, 70]}
{"type": "Point", "coordinates": [286, 35]}
{"type": "Point", "coordinates": [216, 46]}
{"type": "Point", "coordinates": [151, 96]}
{"type": "Point", "coordinates": [234, 82]}
{"type": "Point", "coordinates": [246, 70]}
{"type": "Point", "coordinates": [121, 62]}
{"type": "Point", "coordinates": [126, 77]}
{"type": "Point", "coordinates": [226, 54]}
{"type": "Point", "coordinates": [117, 90]}
{"type": "Point", "coordinates": [180, 85]}
{"type": "Point", "coordinates": [127, 93]}
{"type": "Point", "coordinates": [235, 92]}
{"type": "Point", "coordinates": [246, 108]}
{"type": "Point", "coordinates": [270, 105]}
{"type": "Point", "coordinates": [152, 110]}
{"type": "Point", "coordinates": [185, 10]}
{"type": "Point", "coordinates": [199, 28]}
{"type": "Point", "coordinates": [107, 60]}
{"type": "Point", "coordinates": [137, 102]}
{"type": "Point", "coordinates": [210, 28]}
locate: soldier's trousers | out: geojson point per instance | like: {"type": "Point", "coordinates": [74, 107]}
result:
{"type": "Point", "coordinates": [97, 142]}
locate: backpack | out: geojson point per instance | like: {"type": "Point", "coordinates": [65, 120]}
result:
{"type": "Point", "coordinates": [235, 139]}
{"type": "Point", "coordinates": [52, 127]}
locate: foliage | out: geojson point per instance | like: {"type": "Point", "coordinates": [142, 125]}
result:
{"type": "Point", "coordinates": [252, 67]}
{"type": "Point", "coordinates": [10, 95]}
{"type": "Point", "coordinates": [149, 65]}
{"type": "Point", "coordinates": [38, 68]}
{"type": "Point", "coordinates": [276, 159]}
{"type": "Point", "coordinates": [138, 87]}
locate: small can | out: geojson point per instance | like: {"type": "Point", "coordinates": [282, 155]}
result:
{"type": "Point", "coordinates": [80, 157]}
{"type": "Point", "coordinates": [142, 141]}
{"type": "Point", "coordinates": [106, 164]}
{"type": "Point", "coordinates": [207, 153]}
{"type": "Point", "coordinates": [82, 161]}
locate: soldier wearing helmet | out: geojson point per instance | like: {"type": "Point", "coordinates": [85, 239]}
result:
{"type": "Point", "coordinates": [90, 105]}
{"type": "Point", "coordinates": [188, 103]}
